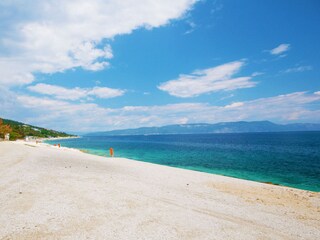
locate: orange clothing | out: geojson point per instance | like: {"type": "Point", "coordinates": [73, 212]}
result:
{"type": "Point", "coordinates": [111, 152]}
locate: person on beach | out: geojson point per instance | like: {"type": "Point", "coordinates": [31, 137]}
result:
{"type": "Point", "coordinates": [111, 152]}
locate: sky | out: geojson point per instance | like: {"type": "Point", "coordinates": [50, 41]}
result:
{"type": "Point", "coordinates": [83, 66]}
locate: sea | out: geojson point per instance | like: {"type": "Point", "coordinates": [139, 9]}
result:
{"type": "Point", "coordinates": [288, 158]}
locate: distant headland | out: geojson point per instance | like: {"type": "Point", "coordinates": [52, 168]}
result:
{"type": "Point", "coordinates": [204, 128]}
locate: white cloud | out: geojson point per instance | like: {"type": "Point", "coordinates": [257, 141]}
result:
{"type": "Point", "coordinates": [280, 49]}
{"type": "Point", "coordinates": [257, 74]}
{"type": "Point", "coordinates": [192, 27]}
{"type": "Point", "coordinates": [234, 105]}
{"type": "Point", "coordinates": [298, 69]}
{"type": "Point", "coordinates": [104, 92]}
{"type": "Point", "coordinates": [208, 80]}
{"type": "Point", "coordinates": [75, 93]}
{"type": "Point", "coordinates": [71, 116]}
{"type": "Point", "coordinates": [51, 36]}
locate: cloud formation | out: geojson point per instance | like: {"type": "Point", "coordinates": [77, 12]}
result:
{"type": "Point", "coordinates": [208, 80]}
{"type": "Point", "coordinates": [298, 69]}
{"type": "Point", "coordinates": [71, 116]}
{"type": "Point", "coordinates": [75, 93]}
{"type": "Point", "coordinates": [284, 47]}
{"type": "Point", "coordinates": [50, 36]}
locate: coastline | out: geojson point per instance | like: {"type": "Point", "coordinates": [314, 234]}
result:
{"type": "Point", "coordinates": [286, 179]}
{"type": "Point", "coordinates": [187, 169]}
{"type": "Point", "coordinates": [99, 196]}
{"type": "Point", "coordinates": [58, 138]}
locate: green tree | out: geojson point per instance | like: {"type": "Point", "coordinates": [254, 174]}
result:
{"type": "Point", "coordinates": [14, 136]}
{"type": "Point", "coordinates": [4, 129]}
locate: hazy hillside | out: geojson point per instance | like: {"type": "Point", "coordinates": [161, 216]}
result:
{"type": "Point", "coordinates": [20, 130]}
{"type": "Point", "coordinates": [225, 127]}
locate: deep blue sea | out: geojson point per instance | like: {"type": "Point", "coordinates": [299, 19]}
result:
{"type": "Point", "coordinates": [290, 159]}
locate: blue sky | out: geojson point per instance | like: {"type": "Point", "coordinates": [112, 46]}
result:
{"type": "Point", "coordinates": [101, 65]}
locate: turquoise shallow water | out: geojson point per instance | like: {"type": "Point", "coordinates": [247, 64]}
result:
{"type": "Point", "coordinates": [290, 159]}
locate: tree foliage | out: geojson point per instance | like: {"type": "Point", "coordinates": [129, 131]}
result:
{"type": "Point", "coordinates": [20, 130]}
{"type": "Point", "coordinates": [4, 129]}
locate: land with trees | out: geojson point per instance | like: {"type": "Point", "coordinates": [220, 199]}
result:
{"type": "Point", "coordinates": [20, 130]}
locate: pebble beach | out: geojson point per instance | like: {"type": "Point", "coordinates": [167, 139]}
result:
{"type": "Point", "coordinates": [48, 192]}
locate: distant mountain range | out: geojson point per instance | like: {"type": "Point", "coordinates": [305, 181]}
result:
{"type": "Point", "coordinates": [224, 127]}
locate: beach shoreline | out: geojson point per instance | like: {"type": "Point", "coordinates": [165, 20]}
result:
{"type": "Point", "coordinates": [88, 152]}
{"type": "Point", "coordinates": [278, 180]}
{"type": "Point", "coordinates": [119, 198]}
{"type": "Point", "coordinates": [50, 139]}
